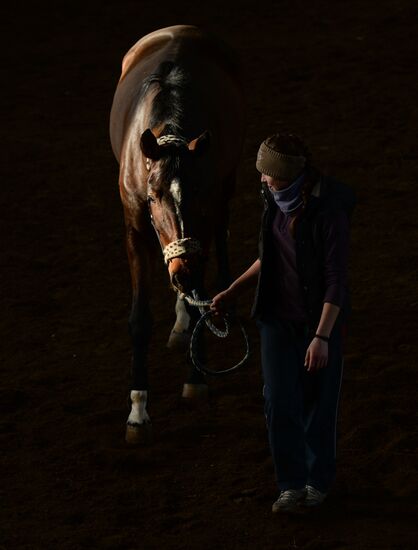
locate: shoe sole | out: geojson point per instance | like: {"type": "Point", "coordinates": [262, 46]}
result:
{"type": "Point", "coordinates": [312, 505]}
{"type": "Point", "coordinates": [294, 508]}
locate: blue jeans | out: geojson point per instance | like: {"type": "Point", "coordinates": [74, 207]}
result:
{"type": "Point", "coordinates": [300, 407]}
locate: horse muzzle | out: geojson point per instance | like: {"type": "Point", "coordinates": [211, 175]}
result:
{"type": "Point", "coordinates": [180, 276]}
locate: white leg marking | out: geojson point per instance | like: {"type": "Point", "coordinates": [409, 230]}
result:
{"type": "Point", "coordinates": [180, 335]}
{"type": "Point", "coordinates": [138, 414]}
{"type": "Point", "coordinates": [182, 317]}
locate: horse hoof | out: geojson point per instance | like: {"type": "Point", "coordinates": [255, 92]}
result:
{"type": "Point", "coordinates": [179, 340]}
{"type": "Point", "coordinates": [138, 434]}
{"type": "Point", "coordinates": [195, 391]}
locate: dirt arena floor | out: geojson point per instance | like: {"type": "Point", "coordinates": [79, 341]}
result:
{"type": "Point", "coordinates": [341, 74]}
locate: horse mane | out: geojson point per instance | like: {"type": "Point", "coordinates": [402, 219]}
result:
{"type": "Point", "coordinates": [175, 82]}
{"type": "Point", "coordinates": [167, 106]}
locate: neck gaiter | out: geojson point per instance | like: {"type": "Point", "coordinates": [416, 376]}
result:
{"type": "Point", "coordinates": [289, 199]}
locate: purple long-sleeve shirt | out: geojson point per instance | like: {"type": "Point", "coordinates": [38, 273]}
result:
{"type": "Point", "coordinates": [289, 297]}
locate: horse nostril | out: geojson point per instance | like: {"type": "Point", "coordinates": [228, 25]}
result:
{"type": "Point", "coordinates": [180, 281]}
{"type": "Point", "coordinates": [175, 281]}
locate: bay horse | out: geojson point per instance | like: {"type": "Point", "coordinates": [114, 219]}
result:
{"type": "Point", "coordinates": [176, 129]}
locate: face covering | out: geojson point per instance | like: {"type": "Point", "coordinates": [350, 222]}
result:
{"type": "Point", "coordinates": [289, 199]}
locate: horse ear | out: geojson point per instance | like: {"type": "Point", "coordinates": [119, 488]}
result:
{"type": "Point", "coordinates": [149, 145]}
{"type": "Point", "coordinates": [201, 144]}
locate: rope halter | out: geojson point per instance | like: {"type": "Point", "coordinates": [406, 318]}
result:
{"type": "Point", "coordinates": [184, 246]}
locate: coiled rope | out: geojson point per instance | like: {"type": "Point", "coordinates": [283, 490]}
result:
{"type": "Point", "coordinates": [205, 319]}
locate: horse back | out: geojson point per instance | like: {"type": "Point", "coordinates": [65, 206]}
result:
{"type": "Point", "coordinates": [154, 42]}
{"type": "Point", "coordinates": [216, 79]}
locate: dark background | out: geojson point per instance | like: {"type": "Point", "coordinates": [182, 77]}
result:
{"type": "Point", "coordinates": [343, 76]}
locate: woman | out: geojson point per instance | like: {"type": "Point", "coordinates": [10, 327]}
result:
{"type": "Point", "coordinates": [301, 304]}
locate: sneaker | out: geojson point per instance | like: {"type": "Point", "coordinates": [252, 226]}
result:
{"type": "Point", "coordinates": [313, 496]}
{"type": "Point", "coordinates": [289, 500]}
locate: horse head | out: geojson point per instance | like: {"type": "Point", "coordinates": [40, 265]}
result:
{"type": "Point", "coordinates": [179, 198]}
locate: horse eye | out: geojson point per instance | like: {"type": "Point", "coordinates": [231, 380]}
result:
{"type": "Point", "coordinates": [150, 198]}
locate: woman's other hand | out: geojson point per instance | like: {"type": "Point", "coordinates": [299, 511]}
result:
{"type": "Point", "coordinates": [316, 355]}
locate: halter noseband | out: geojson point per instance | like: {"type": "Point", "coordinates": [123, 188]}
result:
{"type": "Point", "coordinates": [180, 247]}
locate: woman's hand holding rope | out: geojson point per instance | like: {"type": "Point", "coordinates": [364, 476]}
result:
{"type": "Point", "coordinates": [222, 302]}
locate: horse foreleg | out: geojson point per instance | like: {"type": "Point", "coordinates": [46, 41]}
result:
{"type": "Point", "coordinates": [186, 317]}
{"type": "Point", "coordinates": [140, 324]}
{"type": "Point", "coordinates": [196, 386]}
{"type": "Point", "coordinates": [181, 331]}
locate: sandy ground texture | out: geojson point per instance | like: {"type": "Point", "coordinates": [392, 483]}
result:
{"type": "Point", "coordinates": [343, 75]}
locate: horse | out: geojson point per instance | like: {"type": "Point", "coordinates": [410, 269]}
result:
{"type": "Point", "coordinates": [177, 127]}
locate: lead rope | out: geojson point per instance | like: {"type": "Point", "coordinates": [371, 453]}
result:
{"type": "Point", "coordinates": [205, 319]}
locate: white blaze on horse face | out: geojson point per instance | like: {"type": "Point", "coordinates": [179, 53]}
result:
{"type": "Point", "coordinates": [138, 414]}
{"type": "Point", "coordinates": [175, 191]}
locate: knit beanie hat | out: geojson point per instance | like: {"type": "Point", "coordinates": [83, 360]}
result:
{"type": "Point", "coordinates": [278, 165]}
